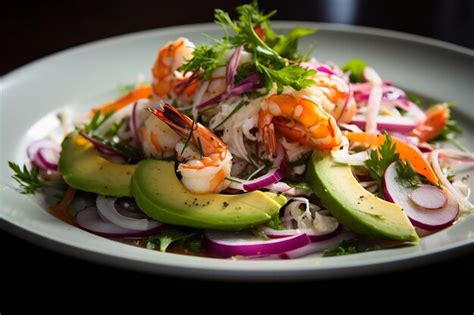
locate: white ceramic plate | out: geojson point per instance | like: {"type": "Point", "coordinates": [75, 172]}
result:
{"type": "Point", "coordinates": [79, 77]}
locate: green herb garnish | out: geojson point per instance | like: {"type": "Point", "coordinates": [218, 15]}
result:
{"type": "Point", "coordinates": [235, 110]}
{"type": "Point", "coordinates": [28, 179]}
{"type": "Point", "coordinates": [381, 158]}
{"type": "Point", "coordinates": [406, 175]}
{"type": "Point", "coordinates": [97, 120]}
{"type": "Point", "coordinates": [356, 67]}
{"type": "Point", "coordinates": [346, 247]}
{"type": "Point", "coordinates": [168, 236]}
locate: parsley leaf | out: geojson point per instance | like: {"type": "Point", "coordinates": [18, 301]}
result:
{"type": "Point", "coordinates": [206, 58]}
{"type": "Point", "coordinates": [381, 158]}
{"type": "Point", "coordinates": [293, 75]}
{"type": "Point", "coordinates": [28, 180]}
{"type": "Point", "coordinates": [168, 236]}
{"type": "Point", "coordinates": [346, 247]}
{"type": "Point", "coordinates": [356, 67]}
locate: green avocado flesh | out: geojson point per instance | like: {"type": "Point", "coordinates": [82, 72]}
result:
{"type": "Point", "coordinates": [352, 205]}
{"type": "Point", "coordinates": [83, 168]}
{"type": "Point", "coordinates": [160, 194]}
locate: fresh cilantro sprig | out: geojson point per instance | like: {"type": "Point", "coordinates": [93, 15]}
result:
{"type": "Point", "coordinates": [293, 75]}
{"type": "Point", "coordinates": [28, 179]}
{"type": "Point", "coordinates": [381, 158]}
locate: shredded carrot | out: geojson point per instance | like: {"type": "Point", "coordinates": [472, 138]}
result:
{"type": "Point", "coordinates": [60, 210]}
{"type": "Point", "coordinates": [406, 151]}
{"type": "Point", "coordinates": [143, 91]}
{"type": "Point", "coordinates": [436, 118]}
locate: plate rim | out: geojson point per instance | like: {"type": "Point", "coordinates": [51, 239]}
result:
{"type": "Point", "coordinates": [230, 273]}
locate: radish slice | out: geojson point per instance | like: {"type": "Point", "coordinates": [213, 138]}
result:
{"type": "Point", "coordinates": [388, 123]}
{"type": "Point", "coordinates": [108, 211]}
{"type": "Point", "coordinates": [89, 220]}
{"type": "Point", "coordinates": [427, 219]}
{"type": "Point", "coordinates": [226, 244]}
{"type": "Point", "coordinates": [429, 197]}
{"type": "Point", "coordinates": [313, 235]}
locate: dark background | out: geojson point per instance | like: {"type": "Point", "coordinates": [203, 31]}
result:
{"type": "Point", "coordinates": [31, 31]}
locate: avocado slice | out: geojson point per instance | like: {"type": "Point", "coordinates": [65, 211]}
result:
{"type": "Point", "coordinates": [160, 194]}
{"type": "Point", "coordinates": [83, 168]}
{"type": "Point", "coordinates": [352, 205]}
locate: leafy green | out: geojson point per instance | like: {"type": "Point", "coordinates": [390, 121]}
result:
{"type": "Point", "coordinates": [418, 100]}
{"type": "Point", "coordinates": [29, 180]}
{"type": "Point", "coordinates": [356, 67]}
{"type": "Point", "coordinates": [294, 76]}
{"type": "Point", "coordinates": [206, 58]}
{"type": "Point", "coordinates": [114, 128]}
{"type": "Point", "coordinates": [275, 223]}
{"type": "Point", "coordinates": [381, 158]}
{"type": "Point", "coordinates": [270, 55]}
{"type": "Point", "coordinates": [96, 121]}
{"type": "Point", "coordinates": [168, 236]}
{"type": "Point", "coordinates": [299, 185]}
{"type": "Point", "coordinates": [407, 176]}
{"type": "Point", "coordinates": [287, 45]}
{"type": "Point", "coordinates": [346, 247]}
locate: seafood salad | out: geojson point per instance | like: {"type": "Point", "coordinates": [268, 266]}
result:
{"type": "Point", "coordinates": [247, 148]}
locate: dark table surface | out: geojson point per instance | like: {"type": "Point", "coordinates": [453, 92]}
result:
{"type": "Point", "coordinates": [33, 31]}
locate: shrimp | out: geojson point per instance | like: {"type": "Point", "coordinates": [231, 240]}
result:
{"type": "Point", "coordinates": [298, 119]}
{"type": "Point", "coordinates": [166, 77]}
{"type": "Point", "coordinates": [157, 138]}
{"type": "Point", "coordinates": [334, 95]}
{"type": "Point", "coordinates": [169, 83]}
{"type": "Point", "coordinates": [207, 171]}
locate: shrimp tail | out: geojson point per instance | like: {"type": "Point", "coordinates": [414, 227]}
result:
{"type": "Point", "coordinates": [178, 121]}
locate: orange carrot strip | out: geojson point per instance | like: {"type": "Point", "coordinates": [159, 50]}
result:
{"type": "Point", "coordinates": [406, 151]}
{"type": "Point", "coordinates": [60, 210]}
{"type": "Point", "coordinates": [143, 91]}
{"type": "Point", "coordinates": [436, 118]}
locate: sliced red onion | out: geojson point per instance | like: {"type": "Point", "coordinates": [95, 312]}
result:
{"type": "Point", "coordinates": [313, 235]}
{"type": "Point", "coordinates": [47, 159]}
{"type": "Point", "coordinates": [463, 202]}
{"type": "Point", "coordinates": [425, 147]}
{"type": "Point", "coordinates": [107, 210]}
{"type": "Point", "coordinates": [273, 176]}
{"type": "Point", "coordinates": [387, 123]}
{"type": "Point", "coordinates": [103, 148]}
{"type": "Point", "coordinates": [427, 219]}
{"type": "Point", "coordinates": [89, 220]}
{"type": "Point", "coordinates": [365, 87]}
{"type": "Point", "coordinates": [232, 66]}
{"type": "Point", "coordinates": [41, 144]}
{"type": "Point", "coordinates": [317, 247]}
{"type": "Point", "coordinates": [457, 156]}
{"type": "Point", "coordinates": [251, 82]}
{"type": "Point", "coordinates": [227, 244]}
{"type": "Point", "coordinates": [429, 197]}
{"type": "Point", "coordinates": [325, 70]}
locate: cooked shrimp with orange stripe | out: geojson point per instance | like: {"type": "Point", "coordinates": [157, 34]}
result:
{"type": "Point", "coordinates": [243, 147]}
